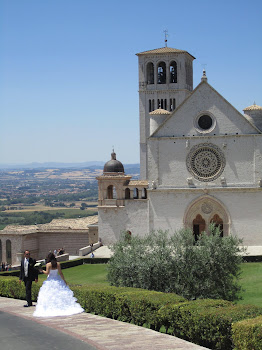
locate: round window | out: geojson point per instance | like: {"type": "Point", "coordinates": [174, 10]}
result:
{"type": "Point", "coordinates": [205, 122]}
{"type": "Point", "coordinates": [205, 162]}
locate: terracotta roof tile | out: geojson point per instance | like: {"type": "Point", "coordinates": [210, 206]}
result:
{"type": "Point", "coordinates": [163, 50]}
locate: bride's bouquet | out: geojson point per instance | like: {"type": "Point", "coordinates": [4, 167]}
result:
{"type": "Point", "coordinates": [39, 265]}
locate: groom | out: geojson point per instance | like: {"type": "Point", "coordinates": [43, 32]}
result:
{"type": "Point", "coordinates": [28, 273]}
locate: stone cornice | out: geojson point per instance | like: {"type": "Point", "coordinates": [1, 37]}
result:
{"type": "Point", "coordinates": [150, 92]}
{"type": "Point", "coordinates": [206, 190]}
{"type": "Point", "coordinates": [206, 137]}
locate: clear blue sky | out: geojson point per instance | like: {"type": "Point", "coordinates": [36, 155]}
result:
{"type": "Point", "coordinates": [69, 78]}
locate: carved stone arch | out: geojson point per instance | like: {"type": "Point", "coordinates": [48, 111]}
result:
{"type": "Point", "coordinates": [209, 208]}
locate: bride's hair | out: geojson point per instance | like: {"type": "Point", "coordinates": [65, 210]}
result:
{"type": "Point", "coordinates": [51, 258]}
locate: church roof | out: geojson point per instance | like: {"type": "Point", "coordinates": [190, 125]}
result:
{"type": "Point", "coordinates": [159, 111]}
{"type": "Point", "coordinates": [138, 183]}
{"type": "Point", "coordinates": [254, 107]}
{"type": "Point", "coordinates": [163, 50]}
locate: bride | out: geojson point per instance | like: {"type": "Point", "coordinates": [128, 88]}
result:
{"type": "Point", "coordinates": [55, 298]}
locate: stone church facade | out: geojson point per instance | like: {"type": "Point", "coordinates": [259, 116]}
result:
{"type": "Point", "coordinates": [200, 159]}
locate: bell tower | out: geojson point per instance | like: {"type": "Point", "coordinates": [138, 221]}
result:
{"type": "Point", "coordinates": [165, 80]}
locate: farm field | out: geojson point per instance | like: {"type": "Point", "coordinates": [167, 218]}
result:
{"type": "Point", "coordinates": [42, 207]}
{"type": "Point", "coordinates": [26, 217]}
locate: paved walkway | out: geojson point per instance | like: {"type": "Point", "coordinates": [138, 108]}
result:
{"type": "Point", "coordinates": [100, 332]}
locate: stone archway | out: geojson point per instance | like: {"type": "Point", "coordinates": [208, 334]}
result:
{"type": "Point", "coordinates": [199, 225]}
{"type": "Point", "coordinates": [207, 209]}
{"type": "Point", "coordinates": [218, 222]}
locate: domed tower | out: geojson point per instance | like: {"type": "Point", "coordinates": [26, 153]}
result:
{"type": "Point", "coordinates": [114, 166]}
{"type": "Point", "coordinates": [111, 190]}
{"type": "Point", "coordinates": [254, 115]}
{"type": "Point", "coordinates": [165, 80]}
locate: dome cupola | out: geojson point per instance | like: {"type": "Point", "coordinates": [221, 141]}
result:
{"type": "Point", "coordinates": [254, 115]}
{"type": "Point", "coordinates": [113, 165]}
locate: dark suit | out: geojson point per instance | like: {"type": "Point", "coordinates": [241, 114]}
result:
{"type": "Point", "coordinates": [32, 276]}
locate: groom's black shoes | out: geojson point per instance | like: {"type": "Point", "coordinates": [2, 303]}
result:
{"type": "Point", "coordinates": [27, 305]}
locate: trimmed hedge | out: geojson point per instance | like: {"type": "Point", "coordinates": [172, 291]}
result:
{"type": "Point", "coordinates": [126, 304]}
{"type": "Point", "coordinates": [10, 288]}
{"type": "Point", "coordinates": [205, 322]}
{"type": "Point", "coordinates": [247, 334]}
{"type": "Point", "coordinates": [64, 265]}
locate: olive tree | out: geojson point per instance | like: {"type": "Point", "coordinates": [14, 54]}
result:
{"type": "Point", "coordinates": [206, 268]}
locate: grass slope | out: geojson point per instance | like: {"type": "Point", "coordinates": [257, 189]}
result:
{"type": "Point", "coordinates": [87, 274]}
{"type": "Point", "coordinates": [84, 274]}
{"type": "Point", "coordinates": [251, 281]}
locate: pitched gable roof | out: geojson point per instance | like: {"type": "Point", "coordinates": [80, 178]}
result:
{"type": "Point", "coordinates": [202, 99]}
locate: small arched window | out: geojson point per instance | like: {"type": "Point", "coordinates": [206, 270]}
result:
{"type": "Point", "coordinates": [111, 192]}
{"type": "Point", "coordinates": [173, 72]}
{"type": "Point", "coordinates": [144, 193]}
{"type": "Point", "coordinates": [172, 104]}
{"type": "Point", "coordinates": [8, 252]}
{"type": "Point", "coordinates": [127, 193]}
{"type": "Point", "coordinates": [161, 73]}
{"type": "Point", "coordinates": [150, 73]}
{"type": "Point", "coordinates": [135, 193]}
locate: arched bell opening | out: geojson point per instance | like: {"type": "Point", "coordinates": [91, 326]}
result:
{"type": "Point", "coordinates": [161, 73]}
{"type": "Point", "coordinates": [111, 192]}
{"type": "Point", "coordinates": [150, 73]}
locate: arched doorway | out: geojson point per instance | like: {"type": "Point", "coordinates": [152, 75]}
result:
{"type": "Point", "coordinates": [218, 222]}
{"type": "Point", "coordinates": [206, 209]}
{"type": "Point", "coordinates": [127, 193]}
{"type": "Point", "coordinates": [199, 225]}
{"type": "Point", "coordinates": [8, 252]}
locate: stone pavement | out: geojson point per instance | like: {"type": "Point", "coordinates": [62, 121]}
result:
{"type": "Point", "coordinates": [100, 332]}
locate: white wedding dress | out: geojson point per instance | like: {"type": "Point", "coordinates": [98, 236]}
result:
{"type": "Point", "coordinates": [55, 298]}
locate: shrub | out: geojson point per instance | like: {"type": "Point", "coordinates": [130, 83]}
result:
{"type": "Point", "coordinates": [206, 322]}
{"type": "Point", "coordinates": [208, 268]}
{"type": "Point", "coordinates": [247, 334]}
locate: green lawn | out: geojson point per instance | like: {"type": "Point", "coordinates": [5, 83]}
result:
{"type": "Point", "coordinates": [251, 279]}
{"type": "Point", "coordinates": [84, 274]}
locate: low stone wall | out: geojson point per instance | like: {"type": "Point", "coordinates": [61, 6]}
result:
{"type": "Point", "coordinates": [63, 257]}
{"type": "Point", "coordinates": [87, 250]}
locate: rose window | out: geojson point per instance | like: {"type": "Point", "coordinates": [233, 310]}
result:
{"type": "Point", "coordinates": [205, 162]}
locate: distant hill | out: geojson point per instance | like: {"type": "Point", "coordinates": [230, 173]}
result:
{"type": "Point", "coordinates": [52, 165]}
{"type": "Point", "coordinates": [129, 168]}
